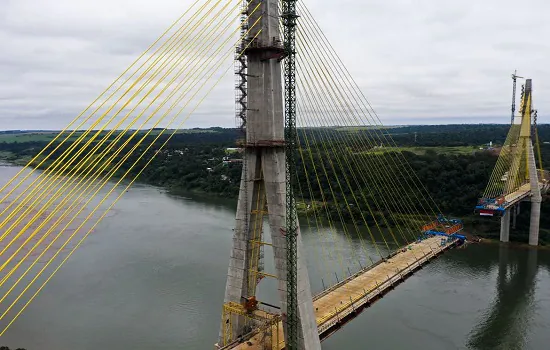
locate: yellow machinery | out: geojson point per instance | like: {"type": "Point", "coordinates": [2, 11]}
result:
{"type": "Point", "coordinates": [264, 326]}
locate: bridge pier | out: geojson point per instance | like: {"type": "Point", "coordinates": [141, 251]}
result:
{"type": "Point", "coordinates": [536, 197]}
{"type": "Point", "coordinates": [535, 222]}
{"type": "Point", "coordinates": [505, 227]}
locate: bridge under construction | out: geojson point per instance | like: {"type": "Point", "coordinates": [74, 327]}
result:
{"type": "Point", "coordinates": [516, 178]}
{"type": "Point", "coordinates": [342, 302]}
{"type": "Point", "coordinates": [311, 158]}
{"type": "Point", "coordinates": [273, 148]}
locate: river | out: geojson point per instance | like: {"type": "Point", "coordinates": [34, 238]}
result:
{"type": "Point", "coordinates": [152, 276]}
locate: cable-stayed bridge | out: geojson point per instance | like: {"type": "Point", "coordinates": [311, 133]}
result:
{"type": "Point", "coordinates": [516, 178]}
{"type": "Point", "coordinates": [312, 157]}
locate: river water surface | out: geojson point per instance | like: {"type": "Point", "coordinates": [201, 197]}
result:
{"type": "Point", "coordinates": [152, 276]}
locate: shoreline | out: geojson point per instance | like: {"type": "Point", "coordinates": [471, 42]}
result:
{"type": "Point", "coordinates": [197, 194]}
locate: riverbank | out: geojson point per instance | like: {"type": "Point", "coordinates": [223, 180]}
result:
{"type": "Point", "coordinates": [199, 170]}
{"type": "Point", "coordinates": [510, 245]}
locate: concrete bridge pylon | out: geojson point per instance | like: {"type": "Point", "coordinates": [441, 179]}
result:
{"type": "Point", "coordinates": [263, 192]}
{"type": "Point", "coordinates": [523, 171]}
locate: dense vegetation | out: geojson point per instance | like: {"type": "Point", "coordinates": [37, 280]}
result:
{"type": "Point", "coordinates": [447, 160]}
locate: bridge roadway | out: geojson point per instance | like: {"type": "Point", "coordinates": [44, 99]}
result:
{"type": "Point", "coordinates": [525, 190]}
{"type": "Point", "coordinates": [344, 301]}
{"type": "Point", "coordinates": [521, 193]}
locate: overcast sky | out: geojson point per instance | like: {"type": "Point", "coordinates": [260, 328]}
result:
{"type": "Point", "coordinates": [417, 61]}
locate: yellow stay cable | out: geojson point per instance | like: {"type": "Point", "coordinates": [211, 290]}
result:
{"type": "Point", "coordinates": [518, 152]}
{"type": "Point", "coordinates": [113, 156]}
{"type": "Point", "coordinates": [51, 180]}
{"type": "Point", "coordinates": [332, 228]}
{"type": "Point", "coordinates": [321, 109]}
{"type": "Point", "coordinates": [321, 159]}
{"type": "Point", "coordinates": [498, 171]}
{"type": "Point", "coordinates": [345, 269]}
{"type": "Point", "coordinates": [309, 105]}
{"type": "Point", "coordinates": [405, 238]}
{"type": "Point", "coordinates": [416, 229]}
{"type": "Point", "coordinates": [38, 228]}
{"type": "Point", "coordinates": [354, 87]}
{"type": "Point", "coordinates": [157, 110]}
{"type": "Point", "coordinates": [328, 139]}
{"type": "Point", "coordinates": [324, 107]}
{"type": "Point", "coordinates": [115, 201]}
{"type": "Point", "coordinates": [86, 176]}
{"type": "Point", "coordinates": [318, 221]}
{"type": "Point", "coordinates": [75, 170]}
{"type": "Point", "coordinates": [315, 207]}
{"type": "Point", "coordinates": [517, 162]}
{"type": "Point", "coordinates": [325, 203]}
{"type": "Point", "coordinates": [324, 139]}
{"type": "Point", "coordinates": [35, 158]}
{"type": "Point", "coordinates": [506, 164]}
{"type": "Point", "coordinates": [340, 67]}
{"type": "Point", "coordinates": [503, 163]}
{"type": "Point", "coordinates": [322, 262]}
{"type": "Point", "coordinates": [496, 185]}
{"type": "Point", "coordinates": [338, 90]}
{"type": "Point", "coordinates": [316, 142]}
{"type": "Point", "coordinates": [122, 147]}
{"type": "Point", "coordinates": [351, 190]}
{"type": "Point", "coordinates": [325, 271]}
{"type": "Point", "coordinates": [317, 178]}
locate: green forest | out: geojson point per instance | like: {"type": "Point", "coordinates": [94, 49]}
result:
{"type": "Point", "coordinates": [453, 162]}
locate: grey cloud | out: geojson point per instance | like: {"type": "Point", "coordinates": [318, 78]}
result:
{"type": "Point", "coordinates": [417, 61]}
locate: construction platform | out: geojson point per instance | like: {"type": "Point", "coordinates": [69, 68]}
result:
{"type": "Point", "coordinates": [497, 206]}
{"type": "Point", "coordinates": [342, 302]}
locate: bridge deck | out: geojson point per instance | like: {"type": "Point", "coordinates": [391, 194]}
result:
{"type": "Point", "coordinates": [342, 302]}
{"type": "Point", "coordinates": [518, 195]}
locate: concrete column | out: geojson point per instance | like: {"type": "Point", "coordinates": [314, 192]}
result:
{"type": "Point", "coordinates": [274, 172]}
{"type": "Point", "coordinates": [505, 227]}
{"type": "Point", "coordinates": [535, 222]}
{"type": "Point", "coordinates": [238, 275]}
{"type": "Point", "coordinates": [264, 174]}
{"type": "Point", "coordinates": [536, 197]}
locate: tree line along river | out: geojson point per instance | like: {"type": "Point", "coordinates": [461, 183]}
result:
{"type": "Point", "coordinates": [152, 276]}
